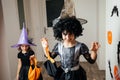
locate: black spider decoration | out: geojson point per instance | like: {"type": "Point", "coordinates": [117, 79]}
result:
{"type": "Point", "coordinates": [110, 69]}
{"type": "Point", "coordinates": [118, 52]}
{"type": "Point", "coordinates": [115, 10]}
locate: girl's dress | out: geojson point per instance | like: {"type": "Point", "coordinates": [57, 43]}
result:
{"type": "Point", "coordinates": [70, 68]}
{"type": "Point", "coordinates": [23, 74]}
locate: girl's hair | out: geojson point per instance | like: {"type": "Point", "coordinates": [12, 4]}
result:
{"type": "Point", "coordinates": [70, 24]}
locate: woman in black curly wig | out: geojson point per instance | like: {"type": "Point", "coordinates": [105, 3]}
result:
{"type": "Point", "coordinates": [66, 31]}
{"type": "Point", "coordinates": [71, 25]}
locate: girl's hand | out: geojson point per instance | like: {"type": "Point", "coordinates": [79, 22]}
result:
{"type": "Point", "coordinates": [32, 57]}
{"type": "Point", "coordinates": [95, 46]}
{"type": "Point", "coordinates": [32, 61]}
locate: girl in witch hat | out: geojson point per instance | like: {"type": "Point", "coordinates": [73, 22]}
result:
{"type": "Point", "coordinates": [25, 55]}
{"type": "Point", "coordinates": [66, 30]}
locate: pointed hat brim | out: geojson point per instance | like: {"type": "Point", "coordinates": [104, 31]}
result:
{"type": "Point", "coordinates": [82, 21]}
{"type": "Point", "coordinates": [23, 39]}
{"type": "Point", "coordinates": [18, 45]}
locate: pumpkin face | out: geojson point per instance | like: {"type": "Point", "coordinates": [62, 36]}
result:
{"type": "Point", "coordinates": [109, 37]}
{"type": "Point", "coordinates": [116, 73]}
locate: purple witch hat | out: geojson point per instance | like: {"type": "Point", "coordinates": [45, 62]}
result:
{"type": "Point", "coordinates": [23, 39]}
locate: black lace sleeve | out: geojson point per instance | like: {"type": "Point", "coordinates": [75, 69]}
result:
{"type": "Point", "coordinates": [85, 52]}
{"type": "Point", "coordinates": [31, 52]}
{"type": "Point", "coordinates": [19, 55]}
{"type": "Point", "coordinates": [54, 52]}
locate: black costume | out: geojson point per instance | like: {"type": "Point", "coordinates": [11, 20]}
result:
{"type": "Point", "coordinates": [23, 74]}
{"type": "Point", "coordinates": [70, 68]}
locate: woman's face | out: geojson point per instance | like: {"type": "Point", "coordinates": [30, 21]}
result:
{"type": "Point", "coordinates": [67, 36]}
{"type": "Point", "coordinates": [24, 47]}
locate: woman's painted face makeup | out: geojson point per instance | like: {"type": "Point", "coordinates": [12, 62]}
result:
{"type": "Point", "coordinates": [67, 36]}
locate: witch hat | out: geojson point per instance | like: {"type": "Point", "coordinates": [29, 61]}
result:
{"type": "Point", "coordinates": [68, 11]}
{"type": "Point", "coordinates": [23, 38]}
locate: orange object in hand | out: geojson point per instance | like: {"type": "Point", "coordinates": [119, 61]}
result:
{"type": "Point", "coordinates": [45, 45]}
{"type": "Point", "coordinates": [34, 74]}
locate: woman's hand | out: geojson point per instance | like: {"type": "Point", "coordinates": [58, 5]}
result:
{"type": "Point", "coordinates": [45, 46]}
{"type": "Point", "coordinates": [95, 46]}
{"type": "Point", "coordinates": [44, 42]}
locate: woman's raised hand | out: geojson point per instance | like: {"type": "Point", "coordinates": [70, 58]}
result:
{"type": "Point", "coordinates": [44, 42]}
{"type": "Point", "coordinates": [45, 46]}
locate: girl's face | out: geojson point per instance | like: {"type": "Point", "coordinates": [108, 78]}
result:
{"type": "Point", "coordinates": [24, 47]}
{"type": "Point", "coordinates": [69, 37]}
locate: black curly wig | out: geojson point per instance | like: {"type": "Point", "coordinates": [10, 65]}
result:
{"type": "Point", "coordinates": [70, 24]}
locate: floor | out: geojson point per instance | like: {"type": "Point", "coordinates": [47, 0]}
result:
{"type": "Point", "coordinates": [93, 73]}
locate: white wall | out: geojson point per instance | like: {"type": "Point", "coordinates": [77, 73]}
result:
{"type": "Point", "coordinates": [113, 25]}
{"type": "Point", "coordinates": [12, 29]}
{"type": "Point", "coordinates": [101, 33]}
{"type": "Point", "coordinates": [94, 12]}
{"type": "Point", "coordinates": [4, 64]}
{"type": "Point", "coordinates": [35, 12]}
{"type": "Point", "coordinates": [87, 9]}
